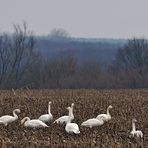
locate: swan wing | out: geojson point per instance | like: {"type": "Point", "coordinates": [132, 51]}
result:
{"type": "Point", "coordinates": [104, 117]}
{"type": "Point", "coordinates": [92, 122]}
{"type": "Point", "coordinates": [72, 128]}
{"type": "Point", "coordinates": [139, 133]}
{"type": "Point", "coordinates": [45, 118]}
{"type": "Point", "coordinates": [35, 123]}
{"type": "Point", "coordinates": [62, 119]}
{"type": "Point", "coordinates": [7, 119]}
{"type": "Point", "coordinates": [132, 133]}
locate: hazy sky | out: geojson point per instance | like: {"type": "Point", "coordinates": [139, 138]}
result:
{"type": "Point", "coordinates": [83, 18]}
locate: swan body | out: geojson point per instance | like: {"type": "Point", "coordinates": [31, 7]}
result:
{"type": "Point", "coordinates": [62, 120]}
{"type": "Point", "coordinates": [71, 127]}
{"type": "Point", "coordinates": [65, 118]}
{"type": "Point", "coordinates": [9, 119]}
{"type": "Point", "coordinates": [135, 132]}
{"type": "Point", "coordinates": [46, 117]}
{"type": "Point", "coordinates": [93, 122]}
{"type": "Point", "coordinates": [106, 117]}
{"type": "Point", "coordinates": [34, 123]}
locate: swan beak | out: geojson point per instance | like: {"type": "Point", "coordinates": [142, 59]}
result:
{"type": "Point", "coordinates": [68, 108]}
{"type": "Point", "coordinates": [18, 110]}
{"type": "Point", "coordinates": [134, 120]}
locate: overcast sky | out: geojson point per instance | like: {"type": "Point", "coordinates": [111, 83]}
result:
{"type": "Point", "coordinates": [82, 18]}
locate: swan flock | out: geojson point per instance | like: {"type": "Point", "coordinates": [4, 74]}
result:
{"type": "Point", "coordinates": [70, 127]}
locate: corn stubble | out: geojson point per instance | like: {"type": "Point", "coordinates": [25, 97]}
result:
{"type": "Point", "coordinates": [127, 104]}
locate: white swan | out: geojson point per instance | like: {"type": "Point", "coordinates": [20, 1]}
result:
{"type": "Point", "coordinates": [46, 117]}
{"type": "Point", "coordinates": [71, 127]}
{"type": "Point", "coordinates": [34, 123]}
{"type": "Point", "coordinates": [135, 132]}
{"type": "Point", "coordinates": [65, 118]}
{"type": "Point", "coordinates": [8, 119]}
{"type": "Point", "coordinates": [106, 117]}
{"type": "Point", "coordinates": [93, 122]}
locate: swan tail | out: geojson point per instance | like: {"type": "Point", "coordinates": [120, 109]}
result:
{"type": "Point", "coordinates": [76, 131]}
{"type": "Point", "coordinates": [45, 125]}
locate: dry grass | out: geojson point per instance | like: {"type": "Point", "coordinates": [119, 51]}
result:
{"type": "Point", "coordinates": [127, 104]}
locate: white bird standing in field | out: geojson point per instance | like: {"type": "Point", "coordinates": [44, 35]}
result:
{"type": "Point", "coordinates": [93, 122]}
{"type": "Point", "coordinates": [47, 117]}
{"type": "Point", "coordinates": [71, 127]}
{"type": "Point", "coordinates": [106, 117]}
{"type": "Point", "coordinates": [9, 119]}
{"type": "Point", "coordinates": [34, 123]}
{"type": "Point", "coordinates": [135, 132]}
{"type": "Point", "coordinates": [65, 118]}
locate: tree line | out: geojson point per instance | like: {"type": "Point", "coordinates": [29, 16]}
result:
{"type": "Point", "coordinates": [21, 64]}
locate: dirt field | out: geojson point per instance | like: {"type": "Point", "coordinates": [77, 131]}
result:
{"type": "Point", "coordinates": [127, 104]}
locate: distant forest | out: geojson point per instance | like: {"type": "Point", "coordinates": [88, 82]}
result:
{"type": "Point", "coordinates": [82, 49]}
{"type": "Point", "coordinates": [61, 61]}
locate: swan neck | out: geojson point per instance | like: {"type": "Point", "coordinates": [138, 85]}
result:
{"type": "Point", "coordinates": [71, 112]}
{"type": "Point", "coordinates": [27, 118]}
{"type": "Point", "coordinates": [108, 111]}
{"type": "Point", "coordinates": [49, 109]}
{"type": "Point", "coordinates": [15, 115]}
{"type": "Point", "coordinates": [133, 126]}
{"type": "Point", "coordinates": [69, 120]}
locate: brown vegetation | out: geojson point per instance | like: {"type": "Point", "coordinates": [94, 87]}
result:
{"type": "Point", "coordinates": [127, 104]}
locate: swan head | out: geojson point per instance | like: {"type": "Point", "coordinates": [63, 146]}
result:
{"type": "Point", "coordinates": [72, 104]}
{"type": "Point", "coordinates": [110, 107]}
{"type": "Point", "coordinates": [134, 120]}
{"type": "Point", "coordinates": [17, 110]}
{"type": "Point", "coordinates": [68, 108]}
{"type": "Point", "coordinates": [49, 102]}
{"type": "Point", "coordinates": [24, 120]}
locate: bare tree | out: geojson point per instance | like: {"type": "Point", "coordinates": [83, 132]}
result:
{"type": "Point", "coordinates": [5, 56]}
{"type": "Point", "coordinates": [16, 54]}
{"type": "Point", "coordinates": [58, 70]}
{"type": "Point", "coordinates": [134, 55]}
{"type": "Point", "coordinates": [132, 60]}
